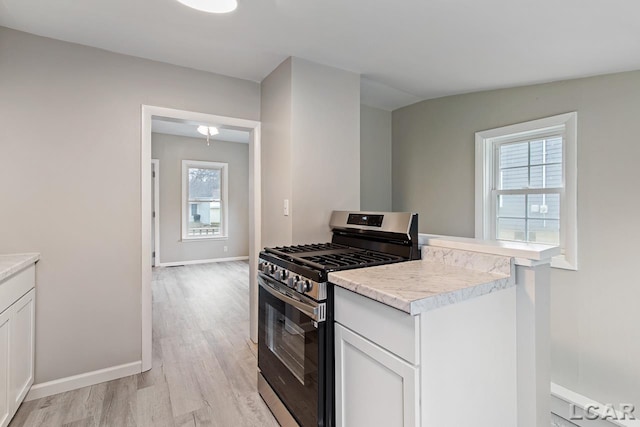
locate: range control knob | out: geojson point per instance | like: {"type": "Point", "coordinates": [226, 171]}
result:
{"type": "Point", "coordinates": [293, 281]}
{"type": "Point", "coordinates": [278, 275]}
{"type": "Point", "coordinates": [303, 286]}
{"type": "Point", "coordinates": [272, 268]}
{"type": "Point", "coordinates": [284, 274]}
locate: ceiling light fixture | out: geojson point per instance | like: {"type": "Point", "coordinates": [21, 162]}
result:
{"type": "Point", "coordinates": [208, 131]}
{"type": "Point", "coordinates": [211, 6]}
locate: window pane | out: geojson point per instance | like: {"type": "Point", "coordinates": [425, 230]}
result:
{"type": "Point", "coordinates": [204, 183]}
{"type": "Point", "coordinates": [204, 219]}
{"type": "Point", "coordinates": [511, 205]}
{"type": "Point", "coordinates": [513, 155]}
{"type": "Point", "coordinates": [511, 179]}
{"type": "Point", "coordinates": [537, 152]}
{"type": "Point", "coordinates": [544, 231]}
{"type": "Point", "coordinates": [510, 229]}
{"type": "Point", "coordinates": [554, 150]}
{"type": "Point", "coordinates": [553, 176]}
{"type": "Point", "coordinates": [544, 206]}
{"type": "Point", "coordinates": [549, 176]}
{"type": "Point", "coordinates": [546, 150]}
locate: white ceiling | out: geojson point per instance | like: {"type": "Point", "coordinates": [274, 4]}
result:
{"type": "Point", "coordinates": [406, 50]}
{"type": "Point", "coordinates": [188, 128]}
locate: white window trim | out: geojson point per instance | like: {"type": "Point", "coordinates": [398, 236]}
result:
{"type": "Point", "coordinates": [224, 192]}
{"type": "Point", "coordinates": [485, 158]}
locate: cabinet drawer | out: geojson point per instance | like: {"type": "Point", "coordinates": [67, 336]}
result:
{"type": "Point", "coordinates": [12, 288]}
{"type": "Point", "coordinates": [393, 330]}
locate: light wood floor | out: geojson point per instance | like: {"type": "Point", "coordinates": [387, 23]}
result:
{"type": "Point", "coordinates": [204, 367]}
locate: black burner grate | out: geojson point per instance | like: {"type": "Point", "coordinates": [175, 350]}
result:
{"type": "Point", "coordinates": [332, 256]}
{"type": "Point", "coordinates": [353, 259]}
{"type": "Point", "coordinates": [315, 247]}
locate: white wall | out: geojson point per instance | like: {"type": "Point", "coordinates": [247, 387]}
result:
{"type": "Point", "coordinates": [310, 149]}
{"type": "Point", "coordinates": [375, 159]}
{"type": "Point", "coordinates": [170, 150]}
{"type": "Point", "coordinates": [594, 311]}
{"type": "Point", "coordinates": [70, 185]}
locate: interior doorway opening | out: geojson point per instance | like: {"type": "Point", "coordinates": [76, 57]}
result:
{"type": "Point", "coordinates": [149, 198]}
{"type": "Point", "coordinates": [200, 206]}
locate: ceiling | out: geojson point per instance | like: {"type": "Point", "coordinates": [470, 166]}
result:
{"type": "Point", "coordinates": [406, 51]}
{"type": "Point", "coordinates": [188, 128]}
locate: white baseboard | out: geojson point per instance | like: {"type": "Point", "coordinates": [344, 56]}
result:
{"type": "Point", "coordinates": [566, 403]}
{"type": "Point", "coordinates": [202, 261]}
{"type": "Point", "coordinates": [83, 380]}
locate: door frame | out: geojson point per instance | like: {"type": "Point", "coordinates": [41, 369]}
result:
{"type": "Point", "coordinates": [156, 209]}
{"type": "Point", "coordinates": [148, 112]}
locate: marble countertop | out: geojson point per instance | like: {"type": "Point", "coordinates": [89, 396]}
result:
{"type": "Point", "coordinates": [12, 263]}
{"type": "Point", "coordinates": [442, 277]}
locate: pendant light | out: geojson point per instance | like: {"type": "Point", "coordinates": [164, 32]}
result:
{"type": "Point", "coordinates": [208, 131]}
{"type": "Point", "coordinates": [211, 6]}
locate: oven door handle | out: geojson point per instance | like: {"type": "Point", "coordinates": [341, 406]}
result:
{"type": "Point", "coordinates": [316, 313]}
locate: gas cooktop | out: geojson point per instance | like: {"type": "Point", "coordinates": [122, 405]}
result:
{"type": "Point", "coordinates": [332, 256]}
{"type": "Point", "coordinates": [359, 239]}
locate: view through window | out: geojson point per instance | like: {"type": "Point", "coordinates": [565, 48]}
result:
{"type": "Point", "coordinates": [529, 181]}
{"type": "Point", "coordinates": [205, 201]}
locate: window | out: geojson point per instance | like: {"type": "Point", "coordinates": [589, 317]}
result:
{"type": "Point", "coordinates": [526, 185]}
{"type": "Point", "coordinates": [204, 200]}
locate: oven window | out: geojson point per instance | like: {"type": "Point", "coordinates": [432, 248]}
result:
{"type": "Point", "coordinates": [285, 339]}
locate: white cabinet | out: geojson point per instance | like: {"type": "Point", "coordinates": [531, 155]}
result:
{"type": "Point", "coordinates": [17, 337]}
{"type": "Point", "coordinates": [454, 366]}
{"type": "Point", "coordinates": [374, 387]}
{"type": "Point", "coordinates": [5, 401]}
{"type": "Point", "coordinates": [21, 342]}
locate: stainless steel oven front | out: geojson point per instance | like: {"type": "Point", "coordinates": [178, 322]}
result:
{"type": "Point", "coordinates": [294, 355]}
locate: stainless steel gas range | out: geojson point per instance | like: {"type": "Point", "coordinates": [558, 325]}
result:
{"type": "Point", "coordinates": [295, 324]}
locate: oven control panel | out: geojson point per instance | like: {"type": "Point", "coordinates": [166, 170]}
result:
{"type": "Point", "coordinates": [315, 290]}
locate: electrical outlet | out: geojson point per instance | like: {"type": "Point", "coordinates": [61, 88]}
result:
{"type": "Point", "coordinates": [286, 207]}
{"type": "Point", "coordinates": [225, 248]}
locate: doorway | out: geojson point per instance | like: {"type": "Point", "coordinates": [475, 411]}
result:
{"type": "Point", "coordinates": [253, 127]}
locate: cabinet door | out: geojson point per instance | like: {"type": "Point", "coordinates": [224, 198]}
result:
{"type": "Point", "coordinates": [21, 344]}
{"type": "Point", "coordinates": [373, 386]}
{"type": "Point", "coordinates": [5, 402]}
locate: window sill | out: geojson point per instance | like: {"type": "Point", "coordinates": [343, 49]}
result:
{"type": "Point", "coordinates": [562, 263]}
{"type": "Point", "coordinates": [200, 239]}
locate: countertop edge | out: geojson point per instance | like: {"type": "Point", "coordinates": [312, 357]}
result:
{"type": "Point", "coordinates": [460, 295]}
{"type": "Point", "coordinates": [22, 261]}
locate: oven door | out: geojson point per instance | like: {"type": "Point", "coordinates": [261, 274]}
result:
{"type": "Point", "coordinates": [291, 350]}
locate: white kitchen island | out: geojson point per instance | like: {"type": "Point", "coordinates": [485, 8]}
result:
{"type": "Point", "coordinates": [455, 339]}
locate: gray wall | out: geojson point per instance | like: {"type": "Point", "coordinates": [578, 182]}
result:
{"type": "Point", "coordinates": [310, 149]}
{"type": "Point", "coordinates": [594, 311]}
{"type": "Point", "coordinates": [325, 147]}
{"type": "Point", "coordinates": [276, 155]}
{"type": "Point", "coordinates": [171, 150]}
{"type": "Point", "coordinates": [375, 159]}
{"type": "Point", "coordinates": [70, 185]}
